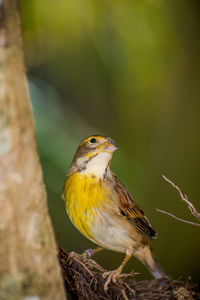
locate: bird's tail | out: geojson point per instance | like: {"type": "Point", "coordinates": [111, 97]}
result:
{"type": "Point", "coordinates": [147, 257]}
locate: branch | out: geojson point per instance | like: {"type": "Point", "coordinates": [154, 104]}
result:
{"type": "Point", "coordinates": [179, 219]}
{"type": "Point", "coordinates": [191, 207]}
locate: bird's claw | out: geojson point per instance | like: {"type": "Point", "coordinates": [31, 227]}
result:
{"type": "Point", "coordinates": [112, 276]}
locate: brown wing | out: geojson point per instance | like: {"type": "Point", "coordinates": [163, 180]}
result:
{"type": "Point", "coordinates": [131, 210]}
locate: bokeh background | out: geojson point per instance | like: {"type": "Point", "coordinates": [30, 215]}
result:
{"type": "Point", "coordinates": [129, 70]}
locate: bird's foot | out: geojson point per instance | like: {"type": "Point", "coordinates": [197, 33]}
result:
{"type": "Point", "coordinates": [111, 276]}
{"type": "Point", "coordinates": [115, 275]}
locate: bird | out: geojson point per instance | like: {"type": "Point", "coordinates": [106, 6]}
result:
{"type": "Point", "coordinates": [103, 210]}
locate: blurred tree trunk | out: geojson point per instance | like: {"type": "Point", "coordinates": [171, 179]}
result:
{"type": "Point", "coordinates": [28, 255]}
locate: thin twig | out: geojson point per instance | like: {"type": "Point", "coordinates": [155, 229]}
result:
{"type": "Point", "coordinates": [191, 207]}
{"type": "Point", "coordinates": [124, 295]}
{"type": "Point", "coordinates": [193, 210]}
{"type": "Point", "coordinates": [179, 219]}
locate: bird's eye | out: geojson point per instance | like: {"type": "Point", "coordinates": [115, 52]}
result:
{"type": "Point", "coordinates": [93, 140]}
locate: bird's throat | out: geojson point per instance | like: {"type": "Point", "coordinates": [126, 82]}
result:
{"type": "Point", "coordinates": [97, 165]}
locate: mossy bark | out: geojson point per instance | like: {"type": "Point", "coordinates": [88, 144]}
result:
{"type": "Point", "coordinates": [28, 254]}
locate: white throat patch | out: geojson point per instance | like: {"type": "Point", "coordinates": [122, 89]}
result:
{"type": "Point", "coordinates": [98, 164]}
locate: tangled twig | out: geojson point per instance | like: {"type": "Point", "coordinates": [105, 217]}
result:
{"type": "Point", "coordinates": [84, 285]}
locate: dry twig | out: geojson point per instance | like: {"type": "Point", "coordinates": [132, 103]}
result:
{"type": "Point", "coordinates": [177, 218]}
{"type": "Point", "coordinates": [191, 207]}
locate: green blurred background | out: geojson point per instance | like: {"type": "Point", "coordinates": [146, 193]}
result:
{"type": "Point", "coordinates": [129, 70]}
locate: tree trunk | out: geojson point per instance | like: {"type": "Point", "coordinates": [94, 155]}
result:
{"type": "Point", "coordinates": [28, 254]}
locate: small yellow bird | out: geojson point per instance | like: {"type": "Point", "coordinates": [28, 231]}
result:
{"type": "Point", "coordinates": [103, 210]}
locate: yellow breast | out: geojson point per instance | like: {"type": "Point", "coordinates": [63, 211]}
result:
{"type": "Point", "coordinates": [83, 198]}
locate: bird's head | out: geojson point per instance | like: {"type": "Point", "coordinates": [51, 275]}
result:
{"type": "Point", "coordinates": [93, 155]}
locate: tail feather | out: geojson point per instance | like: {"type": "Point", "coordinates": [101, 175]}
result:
{"type": "Point", "coordinates": [147, 257]}
{"type": "Point", "coordinates": [158, 271]}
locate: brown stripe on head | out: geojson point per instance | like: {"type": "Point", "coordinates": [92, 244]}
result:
{"type": "Point", "coordinates": [95, 136]}
{"type": "Point", "coordinates": [90, 148]}
{"type": "Point", "coordinates": [86, 150]}
{"type": "Point", "coordinates": [86, 146]}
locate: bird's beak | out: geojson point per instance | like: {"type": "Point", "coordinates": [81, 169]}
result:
{"type": "Point", "coordinates": [109, 146]}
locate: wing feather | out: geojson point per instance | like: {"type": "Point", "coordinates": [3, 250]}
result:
{"type": "Point", "coordinates": [131, 210]}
